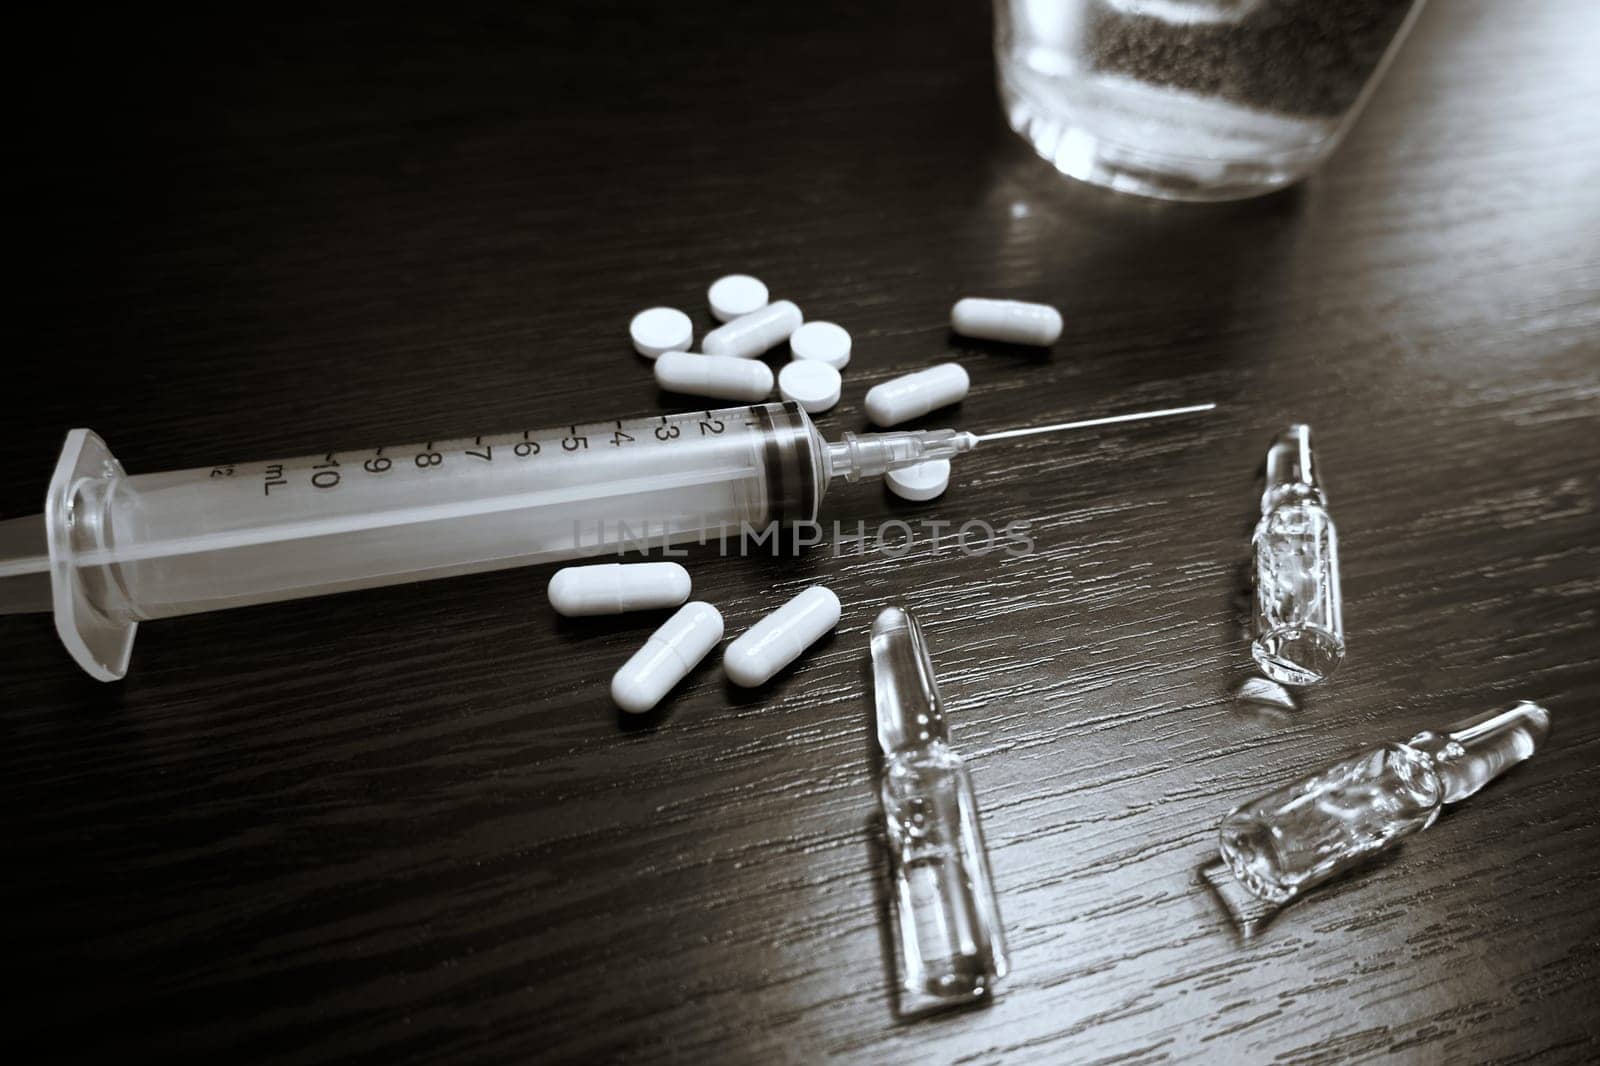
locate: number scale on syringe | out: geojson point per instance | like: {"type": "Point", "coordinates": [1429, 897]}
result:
{"type": "Point", "coordinates": [111, 549]}
{"type": "Point", "coordinates": [456, 458]}
{"type": "Point", "coordinates": [224, 536]}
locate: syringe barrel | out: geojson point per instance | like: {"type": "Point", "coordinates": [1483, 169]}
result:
{"type": "Point", "coordinates": [155, 545]}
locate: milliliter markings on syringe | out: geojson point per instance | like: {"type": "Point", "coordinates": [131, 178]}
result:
{"type": "Point", "coordinates": [180, 542]}
{"type": "Point", "coordinates": [327, 473]}
{"type": "Point", "coordinates": [330, 472]}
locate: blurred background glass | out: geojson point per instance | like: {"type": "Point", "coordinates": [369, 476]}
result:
{"type": "Point", "coordinates": [1191, 99]}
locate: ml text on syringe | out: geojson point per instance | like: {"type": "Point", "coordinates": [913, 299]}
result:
{"type": "Point", "coordinates": [111, 550]}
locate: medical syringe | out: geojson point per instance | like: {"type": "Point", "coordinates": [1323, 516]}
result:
{"type": "Point", "coordinates": [112, 550]}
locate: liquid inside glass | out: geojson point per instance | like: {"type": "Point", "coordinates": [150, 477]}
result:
{"type": "Point", "coordinates": [1299, 624]}
{"type": "Point", "coordinates": [1190, 99]}
{"type": "Point", "coordinates": [950, 945]}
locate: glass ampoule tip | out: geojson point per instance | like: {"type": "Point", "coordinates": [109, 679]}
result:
{"type": "Point", "coordinates": [909, 714]}
{"type": "Point", "coordinates": [1472, 752]}
{"type": "Point", "coordinates": [1291, 469]}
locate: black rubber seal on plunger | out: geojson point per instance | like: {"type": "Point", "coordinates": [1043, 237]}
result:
{"type": "Point", "coordinates": [786, 456]}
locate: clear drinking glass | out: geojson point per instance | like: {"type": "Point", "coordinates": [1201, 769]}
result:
{"type": "Point", "coordinates": [1191, 99]}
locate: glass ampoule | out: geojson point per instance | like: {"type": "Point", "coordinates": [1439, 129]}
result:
{"type": "Point", "coordinates": [1299, 618]}
{"type": "Point", "coordinates": [1299, 836]}
{"type": "Point", "coordinates": [949, 945]}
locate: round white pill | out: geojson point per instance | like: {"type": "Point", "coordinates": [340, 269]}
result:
{"type": "Point", "coordinates": [756, 333]}
{"type": "Point", "coordinates": [735, 295]}
{"type": "Point", "coordinates": [667, 657]}
{"type": "Point", "coordinates": [661, 329]}
{"type": "Point", "coordinates": [921, 482]}
{"type": "Point", "coordinates": [822, 341]}
{"type": "Point", "coordinates": [814, 386]}
{"type": "Point", "coordinates": [612, 588]}
{"type": "Point", "coordinates": [914, 395]}
{"type": "Point", "coordinates": [779, 638]}
{"type": "Point", "coordinates": [1006, 320]}
{"type": "Point", "coordinates": [721, 377]}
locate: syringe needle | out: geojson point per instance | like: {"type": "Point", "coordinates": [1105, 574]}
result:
{"type": "Point", "coordinates": [1138, 416]}
{"type": "Point", "coordinates": [875, 454]}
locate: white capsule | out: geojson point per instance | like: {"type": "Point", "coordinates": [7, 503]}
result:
{"type": "Point", "coordinates": [660, 329]}
{"type": "Point", "coordinates": [754, 334]}
{"type": "Point", "coordinates": [735, 295]}
{"type": "Point", "coordinates": [914, 395]}
{"type": "Point", "coordinates": [1006, 320]}
{"type": "Point", "coordinates": [667, 657]}
{"type": "Point", "coordinates": [815, 386]}
{"type": "Point", "coordinates": [924, 481]}
{"type": "Point", "coordinates": [612, 588]}
{"type": "Point", "coordinates": [826, 342]}
{"type": "Point", "coordinates": [779, 638]}
{"type": "Point", "coordinates": [721, 377]}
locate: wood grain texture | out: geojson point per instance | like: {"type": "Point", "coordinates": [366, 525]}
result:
{"type": "Point", "coordinates": [407, 824]}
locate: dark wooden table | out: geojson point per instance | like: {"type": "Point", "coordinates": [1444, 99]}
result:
{"type": "Point", "coordinates": [408, 824]}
